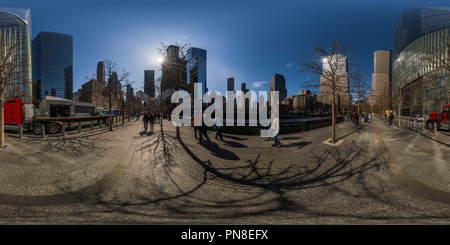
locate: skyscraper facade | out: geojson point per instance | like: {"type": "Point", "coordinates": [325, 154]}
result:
{"type": "Point", "coordinates": [381, 78]}
{"type": "Point", "coordinates": [197, 67]}
{"type": "Point", "coordinates": [417, 31]}
{"type": "Point", "coordinates": [15, 25]}
{"type": "Point", "coordinates": [278, 83]}
{"type": "Point", "coordinates": [149, 83]}
{"type": "Point", "coordinates": [53, 65]}
{"type": "Point", "coordinates": [230, 84]}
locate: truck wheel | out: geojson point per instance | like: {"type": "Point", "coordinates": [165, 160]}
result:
{"type": "Point", "coordinates": [430, 124]}
{"type": "Point", "coordinates": [53, 128]}
{"type": "Point", "coordinates": [37, 128]}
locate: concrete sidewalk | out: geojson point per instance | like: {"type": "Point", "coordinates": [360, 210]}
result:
{"type": "Point", "coordinates": [34, 166]}
{"type": "Point", "coordinates": [421, 153]}
{"type": "Point", "coordinates": [249, 163]}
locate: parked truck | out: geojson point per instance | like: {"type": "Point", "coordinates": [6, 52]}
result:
{"type": "Point", "coordinates": [16, 113]}
{"type": "Point", "coordinates": [440, 118]}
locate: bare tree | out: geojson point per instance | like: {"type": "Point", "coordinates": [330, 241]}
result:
{"type": "Point", "coordinates": [402, 92]}
{"type": "Point", "coordinates": [332, 67]}
{"type": "Point", "coordinates": [114, 88]}
{"type": "Point", "coordinates": [360, 87]}
{"type": "Point", "coordinates": [434, 70]}
{"type": "Point", "coordinates": [173, 75]}
{"type": "Point", "coordinates": [13, 62]}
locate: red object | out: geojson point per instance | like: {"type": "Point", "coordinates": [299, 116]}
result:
{"type": "Point", "coordinates": [443, 115]}
{"type": "Point", "coordinates": [13, 109]}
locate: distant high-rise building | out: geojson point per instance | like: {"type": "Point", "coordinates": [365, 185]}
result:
{"type": "Point", "coordinates": [381, 74]}
{"type": "Point", "coordinates": [230, 84]}
{"type": "Point", "coordinates": [243, 87]}
{"type": "Point", "coordinates": [174, 73]}
{"type": "Point", "coordinates": [197, 69]}
{"type": "Point", "coordinates": [15, 25]}
{"type": "Point", "coordinates": [130, 93]}
{"type": "Point", "coordinates": [278, 83]}
{"type": "Point", "coordinates": [101, 72]}
{"type": "Point", "coordinates": [149, 83]}
{"type": "Point", "coordinates": [337, 67]}
{"type": "Point", "coordinates": [53, 65]}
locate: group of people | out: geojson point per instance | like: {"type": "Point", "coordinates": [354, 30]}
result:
{"type": "Point", "coordinates": [152, 119]}
{"type": "Point", "coordinates": [201, 127]}
{"type": "Point", "coordinates": [391, 117]}
{"type": "Point", "coordinates": [355, 117]}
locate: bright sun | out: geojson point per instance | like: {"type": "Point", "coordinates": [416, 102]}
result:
{"type": "Point", "coordinates": [160, 59]}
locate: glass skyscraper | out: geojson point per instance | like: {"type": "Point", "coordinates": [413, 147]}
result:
{"type": "Point", "coordinates": [417, 31]}
{"type": "Point", "coordinates": [53, 65]}
{"type": "Point", "coordinates": [197, 69]}
{"type": "Point", "coordinates": [15, 24]}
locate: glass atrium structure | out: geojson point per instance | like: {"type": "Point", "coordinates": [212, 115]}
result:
{"type": "Point", "coordinates": [15, 25]}
{"type": "Point", "coordinates": [419, 32]}
{"type": "Point", "coordinates": [53, 65]}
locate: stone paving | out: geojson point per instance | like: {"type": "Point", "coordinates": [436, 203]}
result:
{"type": "Point", "coordinates": [241, 179]}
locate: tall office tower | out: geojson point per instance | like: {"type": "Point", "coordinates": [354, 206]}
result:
{"type": "Point", "coordinates": [115, 83]}
{"type": "Point", "coordinates": [243, 87]}
{"type": "Point", "coordinates": [339, 66]}
{"type": "Point", "coordinates": [174, 73]}
{"type": "Point", "coordinates": [53, 64]}
{"type": "Point", "coordinates": [15, 25]}
{"type": "Point", "coordinates": [230, 84]}
{"type": "Point", "coordinates": [336, 66]}
{"type": "Point", "coordinates": [149, 83]}
{"type": "Point", "coordinates": [130, 93]}
{"type": "Point", "coordinates": [381, 74]}
{"type": "Point", "coordinates": [278, 83]}
{"type": "Point", "coordinates": [101, 72]}
{"type": "Point", "coordinates": [197, 69]}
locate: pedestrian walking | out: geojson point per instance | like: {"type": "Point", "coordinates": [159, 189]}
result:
{"type": "Point", "coordinates": [152, 121]}
{"type": "Point", "coordinates": [203, 131]}
{"type": "Point", "coordinates": [195, 123]}
{"type": "Point", "coordinates": [391, 118]}
{"type": "Point", "coordinates": [145, 119]}
{"type": "Point", "coordinates": [348, 117]}
{"type": "Point", "coordinates": [356, 121]}
{"type": "Point", "coordinates": [370, 116]}
{"type": "Point", "coordinates": [218, 125]}
{"type": "Point", "coordinates": [270, 131]}
{"type": "Point", "coordinates": [275, 128]}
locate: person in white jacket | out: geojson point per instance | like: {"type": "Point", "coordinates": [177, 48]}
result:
{"type": "Point", "coordinates": [275, 129]}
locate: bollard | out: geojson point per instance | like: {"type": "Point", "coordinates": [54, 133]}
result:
{"type": "Point", "coordinates": [423, 124]}
{"type": "Point", "coordinates": [63, 130]}
{"type": "Point", "coordinates": [414, 124]}
{"type": "Point", "coordinates": [435, 127]}
{"type": "Point", "coordinates": [101, 121]}
{"type": "Point", "coordinates": [20, 131]}
{"type": "Point", "coordinates": [92, 125]}
{"type": "Point", "coordinates": [79, 128]}
{"type": "Point", "coordinates": [42, 130]}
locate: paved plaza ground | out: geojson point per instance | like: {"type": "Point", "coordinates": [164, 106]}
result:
{"type": "Point", "coordinates": [374, 174]}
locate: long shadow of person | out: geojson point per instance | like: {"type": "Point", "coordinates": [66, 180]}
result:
{"type": "Point", "coordinates": [220, 152]}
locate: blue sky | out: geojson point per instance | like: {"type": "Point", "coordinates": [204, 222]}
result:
{"type": "Point", "coordinates": [249, 40]}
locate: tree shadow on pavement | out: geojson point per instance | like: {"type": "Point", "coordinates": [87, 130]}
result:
{"type": "Point", "coordinates": [263, 186]}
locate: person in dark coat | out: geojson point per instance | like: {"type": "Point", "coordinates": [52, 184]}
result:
{"type": "Point", "coordinates": [202, 131]}
{"type": "Point", "coordinates": [145, 119]}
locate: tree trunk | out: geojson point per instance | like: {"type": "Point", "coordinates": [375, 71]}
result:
{"type": "Point", "coordinates": [333, 121]}
{"type": "Point", "coordinates": [2, 125]}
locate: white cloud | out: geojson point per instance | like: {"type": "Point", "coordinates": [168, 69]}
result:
{"type": "Point", "coordinates": [289, 64]}
{"type": "Point", "coordinates": [258, 84]}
